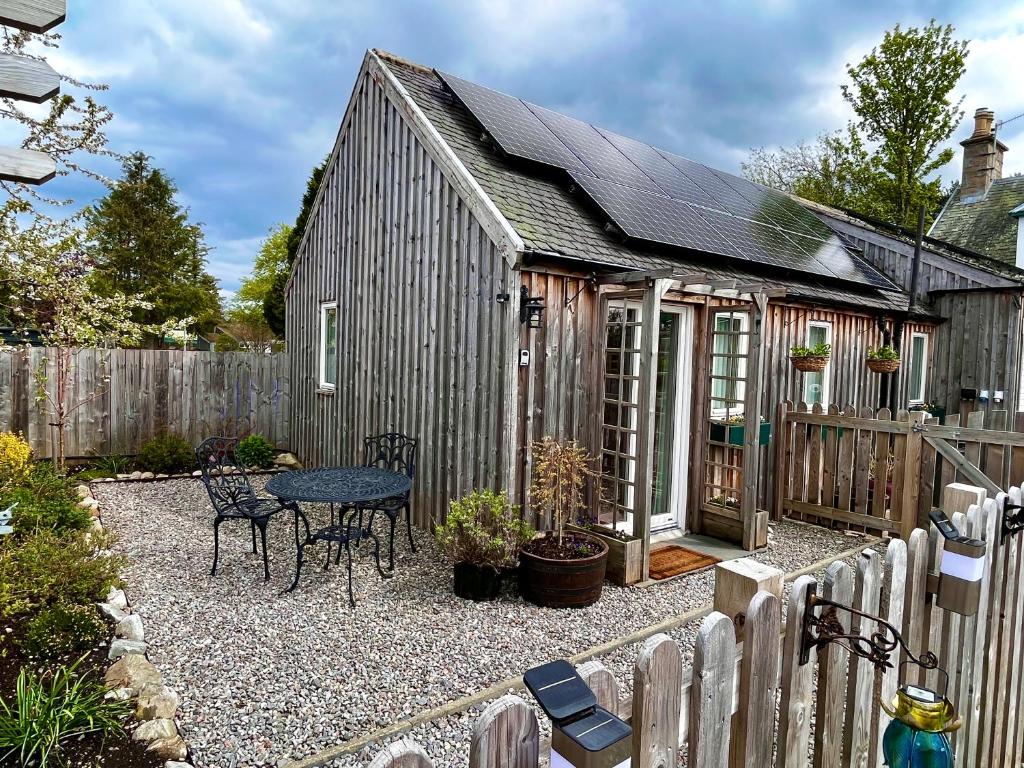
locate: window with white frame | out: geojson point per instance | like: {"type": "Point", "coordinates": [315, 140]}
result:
{"type": "Point", "coordinates": [918, 380]}
{"type": "Point", "coordinates": [816, 383]}
{"type": "Point", "coordinates": [328, 345]}
{"type": "Point", "coordinates": [728, 363]}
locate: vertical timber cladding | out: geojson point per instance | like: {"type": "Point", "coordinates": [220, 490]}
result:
{"type": "Point", "coordinates": [559, 390]}
{"type": "Point", "coordinates": [978, 347]}
{"type": "Point", "coordinates": [422, 340]}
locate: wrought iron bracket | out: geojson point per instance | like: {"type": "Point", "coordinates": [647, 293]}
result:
{"type": "Point", "coordinates": [1013, 518]}
{"type": "Point", "coordinates": [588, 282]}
{"type": "Point", "coordinates": [821, 630]}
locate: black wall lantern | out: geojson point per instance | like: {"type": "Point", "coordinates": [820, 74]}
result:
{"type": "Point", "coordinates": [531, 308]}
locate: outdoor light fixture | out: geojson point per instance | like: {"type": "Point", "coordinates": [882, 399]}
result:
{"type": "Point", "coordinates": [917, 736]}
{"type": "Point", "coordinates": [1013, 518]}
{"type": "Point", "coordinates": [960, 569]}
{"type": "Point", "coordinates": [921, 717]}
{"type": "Point", "coordinates": [531, 308]}
{"type": "Point", "coordinates": [583, 735]}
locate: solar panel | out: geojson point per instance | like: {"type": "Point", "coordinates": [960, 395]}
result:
{"type": "Point", "coordinates": [510, 123]}
{"type": "Point", "coordinates": [659, 197]}
{"type": "Point", "coordinates": [598, 154]}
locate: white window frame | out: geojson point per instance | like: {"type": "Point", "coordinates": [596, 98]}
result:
{"type": "Point", "coordinates": [826, 373]}
{"type": "Point", "coordinates": [325, 308]}
{"type": "Point", "coordinates": [917, 398]}
{"type": "Point", "coordinates": [740, 394]}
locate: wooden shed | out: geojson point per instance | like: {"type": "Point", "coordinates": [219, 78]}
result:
{"type": "Point", "coordinates": [479, 272]}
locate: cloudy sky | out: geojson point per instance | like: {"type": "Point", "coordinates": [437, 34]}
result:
{"type": "Point", "coordinates": [238, 99]}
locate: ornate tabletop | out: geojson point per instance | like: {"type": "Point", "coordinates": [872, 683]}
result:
{"type": "Point", "coordinates": [339, 485]}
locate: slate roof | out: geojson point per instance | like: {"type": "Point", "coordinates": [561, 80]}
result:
{"type": "Point", "coordinates": [984, 224]}
{"type": "Point", "coordinates": [553, 221]}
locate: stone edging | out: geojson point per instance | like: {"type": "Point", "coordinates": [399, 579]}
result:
{"type": "Point", "coordinates": [132, 676]}
{"type": "Point", "coordinates": [148, 477]}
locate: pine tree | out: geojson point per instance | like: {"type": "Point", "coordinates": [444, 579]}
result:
{"type": "Point", "coordinates": [143, 245]}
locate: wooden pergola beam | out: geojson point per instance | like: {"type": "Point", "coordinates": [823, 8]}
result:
{"type": "Point", "coordinates": [755, 524]}
{"type": "Point", "coordinates": [32, 15]}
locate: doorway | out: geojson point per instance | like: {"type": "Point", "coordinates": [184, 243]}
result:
{"type": "Point", "coordinates": [619, 439]}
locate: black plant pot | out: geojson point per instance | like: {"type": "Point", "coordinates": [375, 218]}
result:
{"type": "Point", "coordinates": [477, 582]}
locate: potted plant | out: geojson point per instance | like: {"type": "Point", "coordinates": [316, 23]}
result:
{"type": "Point", "coordinates": [563, 568]}
{"type": "Point", "coordinates": [482, 537]}
{"type": "Point", "coordinates": [883, 359]}
{"type": "Point", "coordinates": [810, 359]}
{"type": "Point", "coordinates": [932, 409]}
{"type": "Point", "coordinates": [625, 564]}
{"type": "Point", "coordinates": [730, 431]}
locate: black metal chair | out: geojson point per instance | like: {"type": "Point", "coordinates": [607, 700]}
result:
{"type": "Point", "coordinates": [396, 452]}
{"type": "Point", "coordinates": [232, 495]}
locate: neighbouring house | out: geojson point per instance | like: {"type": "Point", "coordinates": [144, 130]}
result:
{"type": "Point", "coordinates": [984, 214]}
{"type": "Point", "coordinates": [479, 272]}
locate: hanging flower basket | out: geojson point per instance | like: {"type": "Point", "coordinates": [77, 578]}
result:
{"type": "Point", "coordinates": [884, 366]}
{"type": "Point", "coordinates": [809, 363]}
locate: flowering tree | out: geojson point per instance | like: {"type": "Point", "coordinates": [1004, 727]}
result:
{"type": "Point", "coordinates": [45, 270]}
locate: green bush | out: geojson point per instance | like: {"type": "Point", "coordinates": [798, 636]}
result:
{"type": "Point", "coordinates": [885, 352]}
{"type": "Point", "coordinates": [47, 482]}
{"type": "Point", "coordinates": [49, 567]}
{"type": "Point", "coordinates": [254, 451]}
{"type": "Point", "coordinates": [44, 513]}
{"type": "Point", "coordinates": [63, 629]}
{"type": "Point", "coordinates": [167, 454]}
{"type": "Point", "coordinates": [49, 711]}
{"type": "Point", "coordinates": [483, 528]}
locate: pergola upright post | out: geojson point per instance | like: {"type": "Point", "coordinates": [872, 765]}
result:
{"type": "Point", "coordinates": [651, 318]}
{"type": "Point", "coordinates": [755, 524]}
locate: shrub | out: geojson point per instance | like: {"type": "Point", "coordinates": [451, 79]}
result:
{"type": "Point", "coordinates": [49, 567]}
{"type": "Point", "coordinates": [885, 352]}
{"type": "Point", "coordinates": [45, 481]}
{"type": "Point", "coordinates": [63, 629]}
{"type": "Point", "coordinates": [37, 512]}
{"type": "Point", "coordinates": [49, 711]}
{"type": "Point", "coordinates": [254, 451]}
{"type": "Point", "coordinates": [560, 472]}
{"type": "Point", "coordinates": [167, 454]}
{"type": "Point", "coordinates": [15, 458]}
{"type": "Point", "coordinates": [483, 528]}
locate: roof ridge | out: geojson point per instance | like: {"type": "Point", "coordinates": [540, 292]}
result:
{"type": "Point", "coordinates": [394, 58]}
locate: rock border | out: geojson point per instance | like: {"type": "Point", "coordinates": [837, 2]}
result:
{"type": "Point", "coordinates": [284, 462]}
{"type": "Point", "coordinates": [132, 676]}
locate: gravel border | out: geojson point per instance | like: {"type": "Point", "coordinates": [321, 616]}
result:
{"type": "Point", "coordinates": [266, 677]}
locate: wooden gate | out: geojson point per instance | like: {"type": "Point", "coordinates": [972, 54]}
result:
{"type": "Point", "coordinates": [870, 471]}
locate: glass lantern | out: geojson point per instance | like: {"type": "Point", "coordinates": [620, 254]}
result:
{"type": "Point", "coordinates": [917, 736]}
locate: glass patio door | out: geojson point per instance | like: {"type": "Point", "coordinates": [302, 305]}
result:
{"type": "Point", "coordinates": [671, 420]}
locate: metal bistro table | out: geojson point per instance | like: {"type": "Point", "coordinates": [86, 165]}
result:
{"type": "Point", "coordinates": [348, 491]}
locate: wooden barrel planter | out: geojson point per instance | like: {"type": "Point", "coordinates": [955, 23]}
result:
{"type": "Point", "coordinates": [809, 363]}
{"type": "Point", "coordinates": [563, 583]}
{"type": "Point", "coordinates": [884, 366]}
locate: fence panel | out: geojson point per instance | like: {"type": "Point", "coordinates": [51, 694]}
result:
{"type": "Point", "coordinates": [721, 711]}
{"type": "Point", "coordinates": [122, 397]}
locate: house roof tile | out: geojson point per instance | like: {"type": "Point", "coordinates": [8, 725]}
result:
{"type": "Point", "coordinates": [984, 224]}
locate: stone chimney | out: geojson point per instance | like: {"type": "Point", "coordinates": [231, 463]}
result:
{"type": "Point", "coordinates": [983, 156]}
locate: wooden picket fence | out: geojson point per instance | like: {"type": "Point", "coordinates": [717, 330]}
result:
{"type": "Point", "coordinates": [746, 701]}
{"type": "Point", "coordinates": [865, 470]}
{"type": "Point", "coordinates": [128, 395]}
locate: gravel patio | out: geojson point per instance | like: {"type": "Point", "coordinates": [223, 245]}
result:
{"type": "Point", "coordinates": [266, 678]}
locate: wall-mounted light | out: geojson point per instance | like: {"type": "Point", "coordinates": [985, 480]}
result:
{"type": "Point", "coordinates": [531, 308]}
{"type": "Point", "coordinates": [961, 568]}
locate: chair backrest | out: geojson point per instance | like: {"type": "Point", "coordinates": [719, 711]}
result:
{"type": "Point", "coordinates": [224, 478]}
{"type": "Point", "coordinates": [391, 450]}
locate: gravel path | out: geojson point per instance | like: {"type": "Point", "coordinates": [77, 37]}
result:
{"type": "Point", "coordinates": [266, 677]}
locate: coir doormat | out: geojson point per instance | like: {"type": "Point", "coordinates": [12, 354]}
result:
{"type": "Point", "coordinates": [673, 560]}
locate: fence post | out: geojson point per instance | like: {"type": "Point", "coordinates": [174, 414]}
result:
{"type": "Point", "coordinates": [860, 690]}
{"type": "Point", "coordinates": [714, 677]}
{"type": "Point", "coordinates": [833, 663]}
{"type": "Point", "coordinates": [602, 682]}
{"type": "Point", "coordinates": [404, 753]}
{"type": "Point", "coordinates": [795, 700]}
{"type": "Point", "coordinates": [657, 698]}
{"type": "Point", "coordinates": [506, 735]}
{"type": "Point", "coordinates": [753, 733]}
{"type": "Point", "coordinates": [912, 476]}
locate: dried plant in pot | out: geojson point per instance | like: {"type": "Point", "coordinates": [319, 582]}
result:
{"type": "Point", "coordinates": [563, 568]}
{"type": "Point", "coordinates": [883, 359]}
{"type": "Point", "coordinates": [482, 536]}
{"type": "Point", "coordinates": [810, 359]}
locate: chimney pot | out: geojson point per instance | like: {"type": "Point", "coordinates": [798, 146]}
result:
{"type": "Point", "coordinates": [983, 120]}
